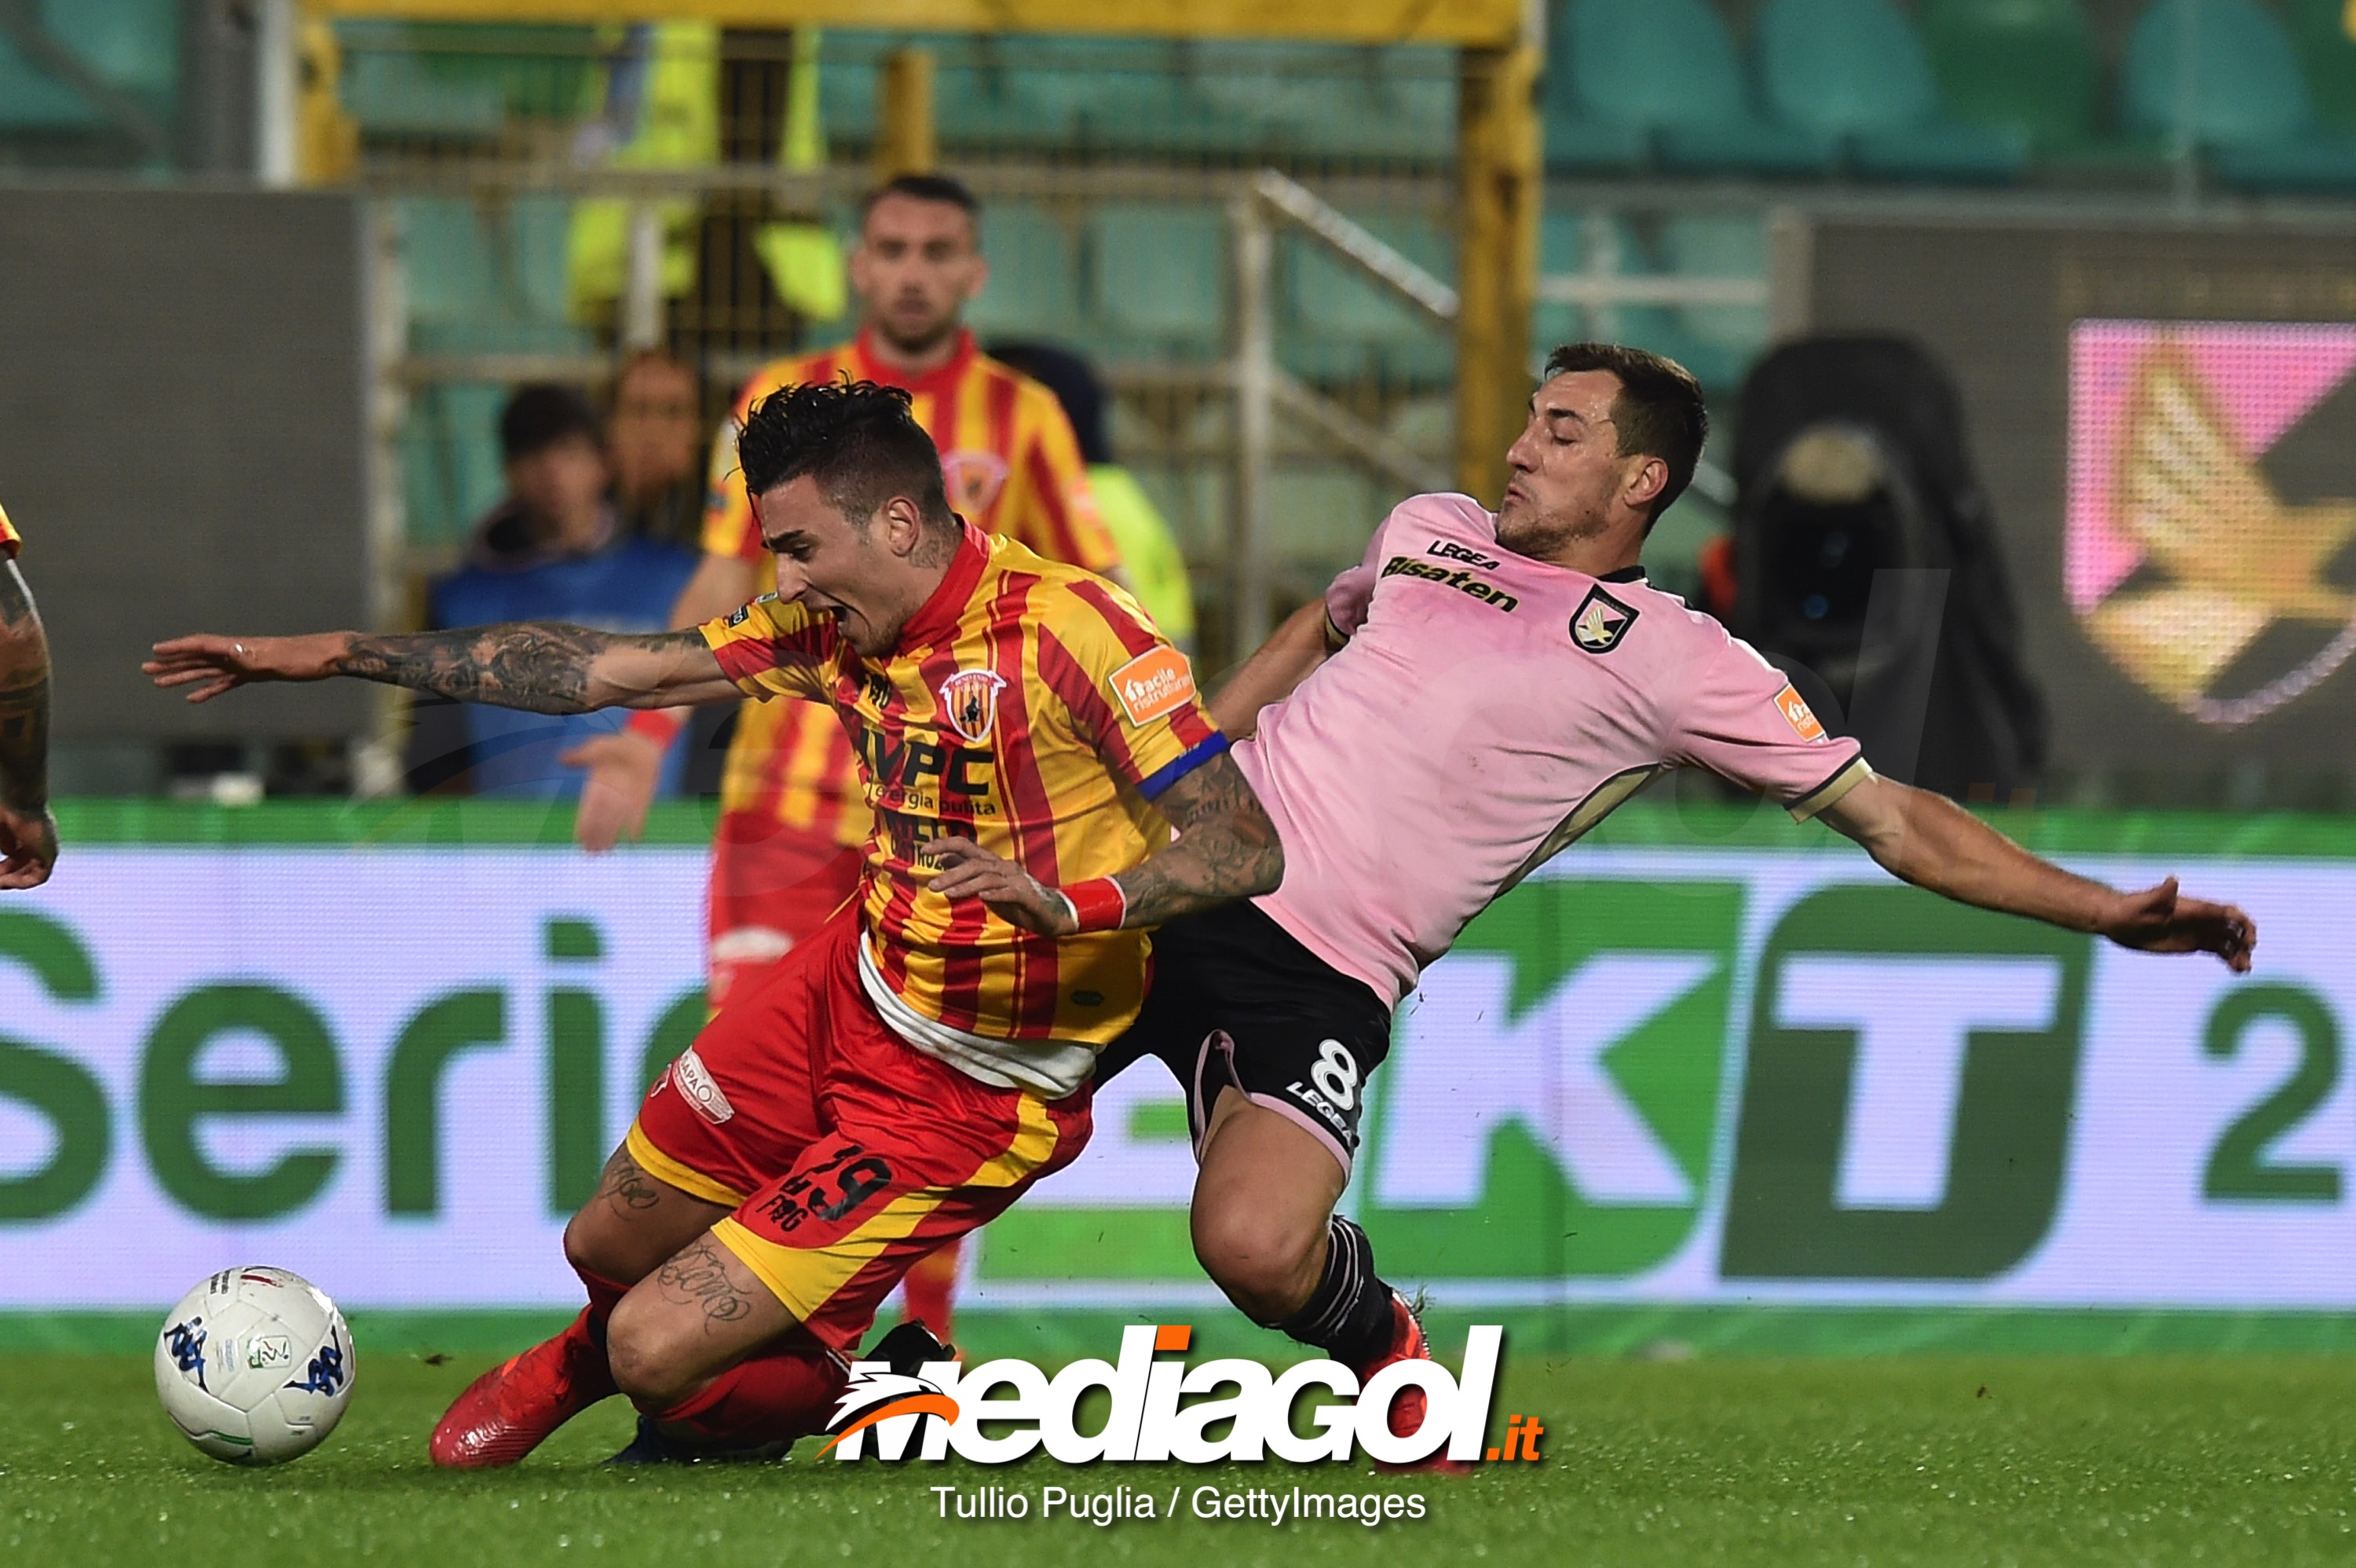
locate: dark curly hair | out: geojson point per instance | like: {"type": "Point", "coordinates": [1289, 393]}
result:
{"type": "Point", "coordinates": [857, 438]}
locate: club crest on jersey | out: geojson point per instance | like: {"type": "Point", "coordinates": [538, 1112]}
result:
{"type": "Point", "coordinates": [969, 703]}
{"type": "Point", "coordinates": [973, 479]}
{"type": "Point", "coordinates": [1600, 622]}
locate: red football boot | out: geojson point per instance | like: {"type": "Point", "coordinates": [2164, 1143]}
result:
{"type": "Point", "coordinates": [1409, 1407]}
{"type": "Point", "coordinates": [510, 1410]}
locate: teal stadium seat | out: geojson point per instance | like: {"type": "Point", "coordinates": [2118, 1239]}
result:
{"type": "Point", "coordinates": [477, 285]}
{"type": "Point", "coordinates": [1033, 289]}
{"type": "Point", "coordinates": [389, 91]}
{"type": "Point", "coordinates": [1856, 70]}
{"type": "Point", "coordinates": [450, 472]}
{"type": "Point", "coordinates": [132, 44]}
{"type": "Point", "coordinates": [1629, 80]}
{"type": "Point", "coordinates": [1562, 248]}
{"type": "Point", "coordinates": [1157, 279]}
{"type": "Point", "coordinates": [2026, 65]}
{"type": "Point", "coordinates": [1568, 242]}
{"type": "Point", "coordinates": [2319, 31]}
{"type": "Point", "coordinates": [1721, 341]}
{"type": "Point", "coordinates": [2253, 113]}
{"type": "Point", "coordinates": [1002, 102]}
{"type": "Point", "coordinates": [1345, 326]}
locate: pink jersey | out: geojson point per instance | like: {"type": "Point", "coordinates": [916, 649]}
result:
{"type": "Point", "coordinates": [1489, 710]}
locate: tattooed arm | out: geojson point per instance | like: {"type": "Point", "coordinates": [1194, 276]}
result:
{"type": "Point", "coordinates": [28, 836]}
{"type": "Point", "coordinates": [1226, 848]}
{"type": "Point", "coordinates": [542, 666]}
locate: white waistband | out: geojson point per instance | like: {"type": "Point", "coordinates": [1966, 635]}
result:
{"type": "Point", "coordinates": [1049, 1068]}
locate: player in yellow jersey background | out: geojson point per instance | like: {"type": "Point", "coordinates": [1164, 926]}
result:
{"type": "Point", "coordinates": [29, 835]}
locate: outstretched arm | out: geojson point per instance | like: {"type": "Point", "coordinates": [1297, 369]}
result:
{"type": "Point", "coordinates": [1291, 656]}
{"type": "Point", "coordinates": [28, 836]}
{"type": "Point", "coordinates": [542, 666]}
{"type": "Point", "coordinates": [1928, 840]}
{"type": "Point", "coordinates": [1226, 848]}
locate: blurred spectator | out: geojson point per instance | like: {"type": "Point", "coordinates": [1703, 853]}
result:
{"type": "Point", "coordinates": [555, 550]}
{"type": "Point", "coordinates": [1156, 569]}
{"type": "Point", "coordinates": [655, 441]}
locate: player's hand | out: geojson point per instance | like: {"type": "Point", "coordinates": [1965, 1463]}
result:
{"type": "Point", "coordinates": [28, 847]}
{"type": "Point", "coordinates": [624, 770]}
{"type": "Point", "coordinates": [2161, 920]}
{"type": "Point", "coordinates": [969, 871]}
{"type": "Point", "coordinates": [214, 665]}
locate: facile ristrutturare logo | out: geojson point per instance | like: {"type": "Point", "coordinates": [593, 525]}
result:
{"type": "Point", "coordinates": [1162, 1409]}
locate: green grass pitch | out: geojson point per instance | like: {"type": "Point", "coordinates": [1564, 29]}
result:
{"type": "Point", "coordinates": [1929, 1460]}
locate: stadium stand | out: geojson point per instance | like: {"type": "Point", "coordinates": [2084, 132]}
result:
{"type": "Point", "coordinates": [1631, 81]}
{"type": "Point", "coordinates": [1343, 326]}
{"type": "Point", "coordinates": [1034, 274]}
{"type": "Point", "coordinates": [1157, 283]}
{"type": "Point", "coordinates": [1857, 70]}
{"type": "Point", "coordinates": [2319, 33]}
{"type": "Point", "coordinates": [2027, 66]}
{"type": "Point", "coordinates": [2252, 112]}
{"type": "Point", "coordinates": [131, 44]}
{"type": "Point", "coordinates": [480, 281]}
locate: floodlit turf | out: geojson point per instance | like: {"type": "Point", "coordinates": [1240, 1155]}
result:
{"type": "Point", "coordinates": [2217, 1460]}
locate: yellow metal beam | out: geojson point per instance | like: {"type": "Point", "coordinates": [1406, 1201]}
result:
{"type": "Point", "coordinates": [904, 144]}
{"type": "Point", "coordinates": [1470, 23]}
{"type": "Point", "coordinates": [1500, 184]}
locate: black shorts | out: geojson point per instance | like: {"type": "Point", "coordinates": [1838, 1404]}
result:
{"type": "Point", "coordinates": [1238, 1001]}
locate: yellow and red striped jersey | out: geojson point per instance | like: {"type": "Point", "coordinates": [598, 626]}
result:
{"type": "Point", "coordinates": [1012, 466]}
{"type": "Point", "coordinates": [1033, 708]}
{"type": "Point", "coordinates": [9, 537]}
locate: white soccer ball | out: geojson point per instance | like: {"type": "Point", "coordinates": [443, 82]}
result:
{"type": "Point", "coordinates": [254, 1366]}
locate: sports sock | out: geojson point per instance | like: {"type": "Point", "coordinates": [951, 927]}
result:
{"type": "Point", "coordinates": [1349, 1314]}
{"type": "Point", "coordinates": [929, 1290]}
{"type": "Point", "coordinates": [773, 1398]}
{"type": "Point", "coordinates": [604, 1296]}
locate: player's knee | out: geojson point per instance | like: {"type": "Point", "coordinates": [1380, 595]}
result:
{"type": "Point", "coordinates": [589, 1248]}
{"type": "Point", "coordinates": [1262, 1260]}
{"type": "Point", "coordinates": [648, 1353]}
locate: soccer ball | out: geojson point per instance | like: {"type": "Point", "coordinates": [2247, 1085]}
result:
{"type": "Point", "coordinates": [254, 1366]}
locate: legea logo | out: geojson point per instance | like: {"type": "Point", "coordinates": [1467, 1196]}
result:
{"type": "Point", "coordinates": [1165, 1409]}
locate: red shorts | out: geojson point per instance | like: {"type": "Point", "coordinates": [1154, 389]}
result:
{"type": "Point", "coordinates": [772, 886]}
{"type": "Point", "coordinates": [846, 1153]}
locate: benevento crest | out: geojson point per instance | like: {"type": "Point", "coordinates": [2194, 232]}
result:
{"type": "Point", "coordinates": [1163, 1409]}
{"type": "Point", "coordinates": [969, 703]}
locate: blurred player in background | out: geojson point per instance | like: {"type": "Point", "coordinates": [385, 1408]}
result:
{"type": "Point", "coordinates": [925, 1055]}
{"type": "Point", "coordinates": [29, 835]}
{"type": "Point", "coordinates": [785, 849]}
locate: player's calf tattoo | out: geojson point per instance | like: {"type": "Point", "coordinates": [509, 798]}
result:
{"type": "Point", "coordinates": [697, 1277]}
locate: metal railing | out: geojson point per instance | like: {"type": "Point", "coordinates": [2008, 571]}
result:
{"type": "Point", "coordinates": [1258, 208]}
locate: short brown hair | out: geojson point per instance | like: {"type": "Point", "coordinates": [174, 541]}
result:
{"type": "Point", "coordinates": [947, 190]}
{"type": "Point", "coordinates": [1659, 410]}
